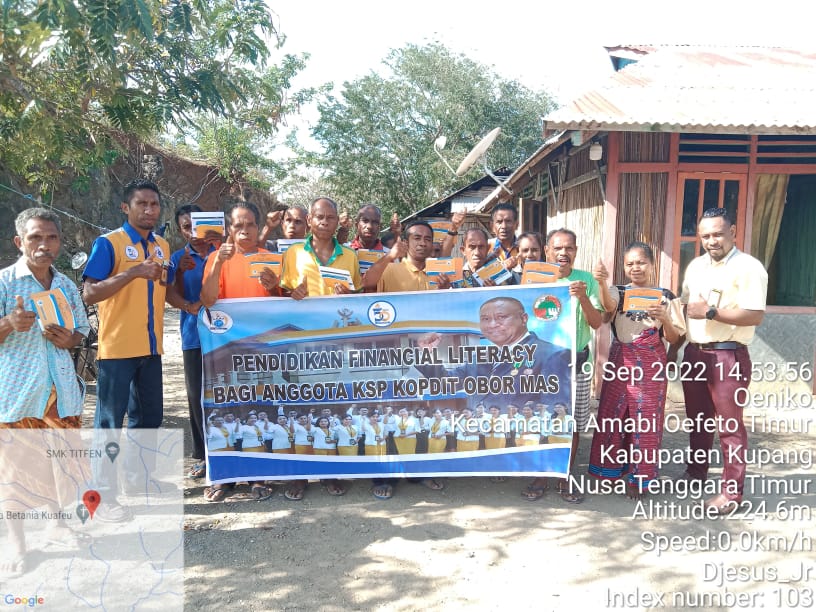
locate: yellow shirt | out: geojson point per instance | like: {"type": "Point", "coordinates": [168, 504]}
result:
{"type": "Point", "coordinates": [131, 321]}
{"type": "Point", "coordinates": [300, 262]}
{"type": "Point", "coordinates": [743, 283]}
{"type": "Point", "coordinates": [403, 276]}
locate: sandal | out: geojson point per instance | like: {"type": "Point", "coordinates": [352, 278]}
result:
{"type": "Point", "coordinates": [215, 493]}
{"type": "Point", "coordinates": [498, 478]}
{"type": "Point", "coordinates": [383, 491]}
{"type": "Point", "coordinates": [295, 491]}
{"type": "Point", "coordinates": [567, 495]}
{"type": "Point", "coordinates": [14, 567]}
{"type": "Point", "coordinates": [199, 470]}
{"type": "Point", "coordinates": [261, 492]}
{"type": "Point", "coordinates": [335, 489]}
{"type": "Point", "coordinates": [534, 493]}
{"type": "Point", "coordinates": [633, 492]}
{"type": "Point", "coordinates": [432, 484]}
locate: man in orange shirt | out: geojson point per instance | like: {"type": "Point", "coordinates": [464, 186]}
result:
{"type": "Point", "coordinates": [227, 275]}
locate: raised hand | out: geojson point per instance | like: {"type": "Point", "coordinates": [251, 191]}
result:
{"type": "Point", "coordinates": [21, 319]}
{"type": "Point", "coordinates": [150, 268]}
{"type": "Point", "coordinates": [396, 226]}
{"type": "Point", "coordinates": [186, 262]}
{"type": "Point", "coordinates": [273, 219]}
{"type": "Point", "coordinates": [600, 272]}
{"type": "Point", "coordinates": [398, 251]}
{"type": "Point", "coordinates": [429, 340]}
{"type": "Point", "coordinates": [227, 250]}
{"type": "Point", "coordinates": [457, 219]}
{"type": "Point", "coordinates": [301, 291]}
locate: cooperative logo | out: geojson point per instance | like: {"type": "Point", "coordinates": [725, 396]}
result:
{"type": "Point", "coordinates": [381, 314]}
{"type": "Point", "coordinates": [131, 252]}
{"type": "Point", "coordinates": [547, 308]}
{"type": "Point", "coordinates": [158, 251]}
{"type": "Point", "coordinates": [220, 322]}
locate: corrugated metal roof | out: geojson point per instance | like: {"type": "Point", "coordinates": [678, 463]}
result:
{"type": "Point", "coordinates": [731, 90]}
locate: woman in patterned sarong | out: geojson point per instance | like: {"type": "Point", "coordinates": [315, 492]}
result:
{"type": "Point", "coordinates": [630, 412]}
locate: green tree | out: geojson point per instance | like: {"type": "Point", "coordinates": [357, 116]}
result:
{"type": "Point", "coordinates": [378, 134]}
{"type": "Point", "coordinates": [75, 75]}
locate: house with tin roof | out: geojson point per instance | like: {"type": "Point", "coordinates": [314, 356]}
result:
{"type": "Point", "coordinates": [674, 131]}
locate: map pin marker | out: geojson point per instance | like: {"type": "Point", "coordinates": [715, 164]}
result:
{"type": "Point", "coordinates": [112, 450]}
{"type": "Point", "coordinates": [82, 513]}
{"type": "Point", "coordinates": [91, 499]}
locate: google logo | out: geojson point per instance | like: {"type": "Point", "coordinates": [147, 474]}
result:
{"type": "Point", "coordinates": [11, 600]}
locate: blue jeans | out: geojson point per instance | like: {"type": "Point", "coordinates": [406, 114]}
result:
{"type": "Point", "coordinates": [130, 386]}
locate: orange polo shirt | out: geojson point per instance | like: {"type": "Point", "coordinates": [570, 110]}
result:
{"type": "Point", "coordinates": [234, 280]}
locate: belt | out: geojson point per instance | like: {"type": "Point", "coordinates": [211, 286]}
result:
{"type": "Point", "coordinates": [718, 346]}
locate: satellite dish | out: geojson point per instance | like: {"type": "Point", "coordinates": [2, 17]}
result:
{"type": "Point", "coordinates": [78, 260]}
{"type": "Point", "coordinates": [477, 152]}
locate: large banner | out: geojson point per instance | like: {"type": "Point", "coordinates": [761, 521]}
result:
{"type": "Point", "coordinates": [468, 382]}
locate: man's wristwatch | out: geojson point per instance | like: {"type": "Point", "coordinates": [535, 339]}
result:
{"type": "Point", "coordinates": [453, 233]}
{"type": "Point", "coordinates": [711, 313]}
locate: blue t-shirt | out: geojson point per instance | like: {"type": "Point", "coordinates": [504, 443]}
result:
{"type": "Point", "coordinates": [192, 280]}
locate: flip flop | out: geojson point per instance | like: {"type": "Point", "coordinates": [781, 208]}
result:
{"type": "Point", "coordinates": [15, 567]}
{"type": "Point", "coordinates": [335, 489]}
{"type": "Point", "coordinates": [294, 492]}
{"type": "Point", "coordinates": [215, 494]}
{"type": "Point", "coordinates": [261, 492]}
{"type": "Point", "coordinates": [534, 493]}
{"type": "Point", "coordinates": [432, 484]}
{"type": "Point", "coordinates": [568, 496]}
{"type": "Point", "coordinates": [383, 491]}
{"type": "Point", "coordinates": [199, 470]}
{"type": "Point", "coordinates": [498, 478]}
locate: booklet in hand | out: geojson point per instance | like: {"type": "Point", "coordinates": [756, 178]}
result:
{"type": "Point", "coordinates": [203, 223]}
{"type": "Point", "coordinates": [494, 270]}
{"type": "Point", "coordinates": [539, 272]}
{"type": "Point", "coordinates": [449, 266]}
{"type": "Point", "coordinates": [52, 307]}
{"type": "Point", "coordinates": [368, 258]}
{"type": "Point", "coordinates": [259, 261]}
{"type": "Point", "coordinates": [640, 298]}
{"type": "Point", "coordinates": [335, 276]}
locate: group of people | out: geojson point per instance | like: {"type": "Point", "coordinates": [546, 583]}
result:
{"type": "Point", "coordinates": [365, 431]}
{"type": "Point", "coordinates": [131, 275]}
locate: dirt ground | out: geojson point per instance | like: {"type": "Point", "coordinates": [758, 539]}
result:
{"type": "Point", "coordinates": [478, 545]}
